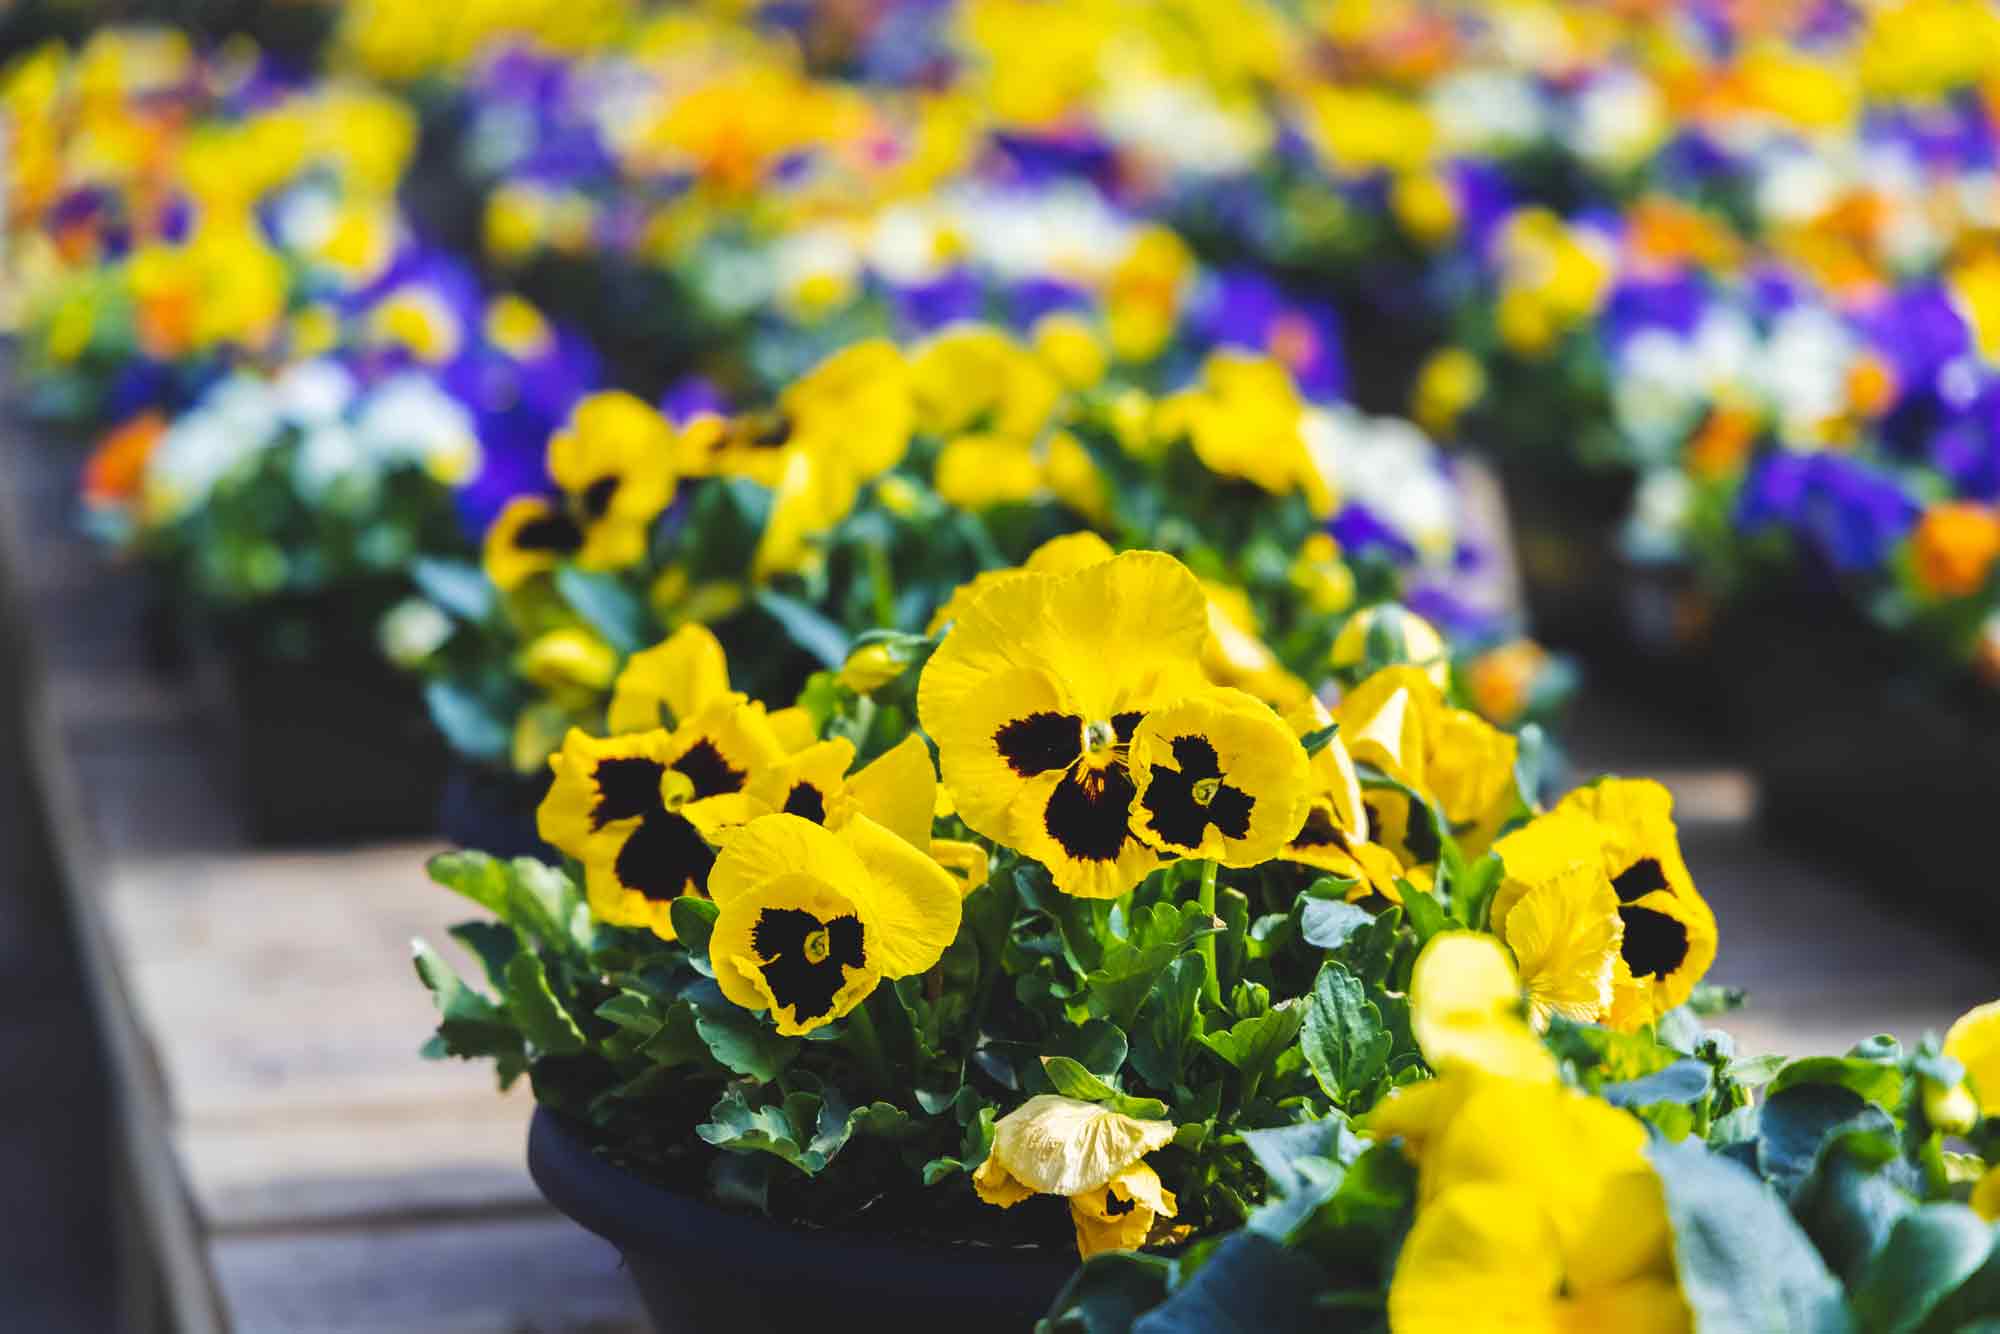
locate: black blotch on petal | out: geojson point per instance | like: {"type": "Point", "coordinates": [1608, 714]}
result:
{"type": "Point", "coordinates": [1639, 879]}
{"type": "Point", "coordinates": [805, 801]}
{"type": "Point", "coordinates": [1040, 742]}
{"type": "Point", "coordinates": [1655, 943]}
{"type": "Point", "coordinates": [779, 937]}
{"type": "Point", "coordinates": [597, 497]}
{"type": "Point", "coordinates": [1420, 833]}
{"type": "Point", "coordinates": [1319, 831]}
{"type": "Point", "coordinates": [707, 771]}
{"type": "Point", "coordinates": [1115, 1207]}
{"type": "Point", "coordinates": [625, 787]}
{"type": "Point", "coordinates": [664, 857]}
{"type": "Point", "coordinates": [551, 532]}
{"type": "Point", "coordinates": [1123, 725]}
{"type": "Point", "coordinates": [1176, 816]}
{"type": "Point", "coordinates": [1088, 813]}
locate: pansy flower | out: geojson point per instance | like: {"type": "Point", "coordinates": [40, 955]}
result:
{"type": "Point", "coordinates": [1334, 836]}
{"type": "Point", "coordinates": [674, 679]}
{"type": "Point", "coordinates": [1624, 826]}
{"type": "Point", "coordinates": [1247, 420]}
{"type": "Point", "coordinates": [812, 919]}
{"type": "Point", "coordinates": [614, 462]}
{"type": "Point", "coordinates": [1033, 699]}
{"type": "Point", "coordinates": [1566, 934]}
{"type": "Point", "coordinates": [1220, 777]}
{"type": "Point", "coordinates": [853, 412]}
{"type": "Point", "coordinates": [640, 810]}
{"type": "Point", "coordinates": [1398, 721]}
{"type": "Point", "coordinates": [1089, 1154]}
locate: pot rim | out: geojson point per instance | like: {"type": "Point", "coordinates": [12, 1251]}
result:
{"type": "Point", "coordinates": [649, 1222]}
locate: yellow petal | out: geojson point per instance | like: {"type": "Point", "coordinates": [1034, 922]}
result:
{"type": "Point", "coordinates": [1122, 1215]}
{"type": "Point", "coordinates": [1974, 1042]}
{"type": "Point", "coordinates": [1986, 1196]}
{"type": "Point", "coordinates": [1476, 1260]}
{"type": "Point", "coordinates": [1219, 777]}
{"type": "Point", "coordinates": [1565, 934]}
{"type": "Point", "coordinates": [996, 1186]}
{"type": "Point", "coordinates": [898, 790]}
{"type": "Point", "coordinates": [670, 682]}
{"type": "Point", "coordinates": [1465, 1009]}
{"type": "Point", "coordinates": [912, 903]}
{"type": "Point", "coordinates": [1064, 1146]}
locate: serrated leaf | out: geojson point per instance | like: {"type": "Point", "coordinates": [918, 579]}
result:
{"type": "Point", "coordinates": [741, 1041]}
{"type": "Point", "coordinates": [469, 1024]}
{"type": "Point", "coordinates": [1345, 1042]}
{"type": "Point", "coordinates": [1877, 1081]}
{"type": "Point", "coordinates": [1252, 1046]}
{"type": "Point", "coordinates": [493, 944]}
{"type": "Point", "coordinates": [542, 901]}
{"type": "Point", "coordinates": [475, 875]}
{"type": "Point", "coordinates": [1116, 991]}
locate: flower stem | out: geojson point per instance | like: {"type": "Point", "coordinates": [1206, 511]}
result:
{"type": "Point", "coordinates": [884, 581]}
{"type": "Point", "coordinates": [1211, 982]}
{"type": "Point", "coordinates": [866, 1043]}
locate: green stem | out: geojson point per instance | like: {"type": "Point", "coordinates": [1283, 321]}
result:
{"type": "Point", "coordinates": [867, 1044]}
{"type": "Point", "coordinates": [885, 585]}
{"type": "Point", "coordinates": [1211, 981]}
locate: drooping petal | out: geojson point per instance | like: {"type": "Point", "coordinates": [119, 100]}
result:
{"type": "Point", "coordinates": [898, 790]}
{"type": "Point", "coordinates": [1064, 1146]}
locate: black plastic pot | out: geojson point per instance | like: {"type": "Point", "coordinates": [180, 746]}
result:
{"type": "Point", "coordinates": [700, 1269]}
{"type": "Point", "coordinates": [331, 742]}
{"type": "Point", "coordinates": [1865, 757]}
{"type": "Point", "coordinates": [494, 811]}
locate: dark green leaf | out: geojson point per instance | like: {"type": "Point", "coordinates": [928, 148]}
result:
{"type": "Point", "coordinates": [1318, 739]}
{"type": "Point", "coordinates": [694, 921]}
{"type": "Point", "coordinates": [1682, 1082]}
{"type": "Point", "coordinates": [1929, 1254]}
{"type": "Point", "coordinates": [1344, 1040]}
{"type": "Point", "coordinates": [536, 1009]}
{"type": "Point", "coordinates": [741, 1041]}
{"type": "Point", "coordinates": [1252, 1046]}
{"type": "Point", "coordinates": [805, 627]}
{"type": "Point", "coordinates": [1249, 1285]}
{"type": "Point", "coordinates": [458, 586]}
{"type": "Point", "coordinates": [610, 608]}
{"type": "Point", "coordinates": [1167, 1022]}
{"type": "Point", "coordinates": [472, 728]}
{"type": "Point", "coordinates": [1877, 1081]}
{"type": "Point", "coordinates": [1108, 1293]}
{"type": "Point", "coordinates": [1743, 1263]}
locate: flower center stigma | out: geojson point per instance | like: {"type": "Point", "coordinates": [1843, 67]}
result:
{"type": "Point", "coordinates": [676, 789]}
{"type": "Point", "coordinates": [1204, 790]}
{"type": "Point", "coordinates": [1099, 737]}
{"type": "Point", "coordinates": [817, 946]}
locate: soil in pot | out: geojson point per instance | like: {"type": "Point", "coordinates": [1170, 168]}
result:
{"type": "Point", "coordinates": [701, 1269]}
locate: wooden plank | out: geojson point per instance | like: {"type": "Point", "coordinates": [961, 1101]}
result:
{"type": "Point", "coordinates": [539, 1273]}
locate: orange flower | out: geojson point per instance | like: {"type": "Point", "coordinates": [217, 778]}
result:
{"type": "Point", "coordinates": [1954, 548]}
{"type": "Point", "coordinates": [1719, 448]}
{"type": "Point", "coordinates": [118, 465]}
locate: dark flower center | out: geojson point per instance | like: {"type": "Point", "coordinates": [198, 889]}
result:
{"type": "Point", "coordinates": [557, 533]}
{"type": "Point", "coordinates": [708, 771]}
{"type": "Point", "coordinates": [1088, 812]}
{"type": "Point", "coordinates": [664, 858]}
{"type": "Point", "coordinates": [1040, 742]}
{"type": "Point", "coordinates": [1639, 879]}
{"type": "Point", "coordinates": [1655, 943]}
{"type": "Point", "coordinates": [1184, 802]}
{"type": "Point", "coordinates": [596, 499]}
{"type": "Point", "coordinates": [806, 801]}
{"type": "Point", "coordinates": [803, 958]}
{"type": "Point", "coordinates": [1320, 831]}
{"type": "Point", "coordinates": [625, 787]}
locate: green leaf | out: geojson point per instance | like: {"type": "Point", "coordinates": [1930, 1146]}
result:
{"type": "Point", "coordinates": [1252, 1046]}
{"type": "Point", "coordinates": [1167, 1022]}
{"type": "Point", "coordinates": [1108, 1293]}
{"type": "Point", "coordinates": [1427, 916]}
{"type": "Point", "coordinates": [1328, 923]}
{"type": "Point", "coordinates": [542, 901]}
{"type": "Point", "coordinates": [469, 1024]}
{"type": "Point", "coordinates": [1876, 1081]}
{"type": "Point", "coordinates": [472, 728]}
{"type": "Point", "coordinates": [740, 1040]}
{"type": "Point", "coordinates": [1795, 1122]}
{"type": "Point", "coordinates": [458, 586]}
{"type": "Point", "coordinates": [493, 944]}
{"type": "Point", "coordinates": [536, 1009]}
{"type": "Point", "coordinates": [805, 627]}
{"type": "Point", "coordinates": [1249, 1285]}
{"type": "Point", "coordinates": [1682, 1082]}
{"type": "Point", "coordinates": [1285, 1151]}
{"type": "Point", "coordinates": [1345, 1042]}
{"type": "Point", "coordinates": [694, 922]}
{"type": "Point", "coordinates": [1743, 1263]}
{"type": "Point", "coordinates": [634, 1012]}
{"type": "Point", "coordinates": [804, 1129]}
{"type": "Point", "coordinates": [1117, 990]}
{"type": "Point", "coordinates": [1931, 1252]}
{"type": "Point", "coordinates": [607, 605]}
{"type": "Point", "coordinates": [475, 875]}
{"type": "Point", "coordinates": [1318, 739]}
{"type": "Point", "coordinates": [1073, 1081]}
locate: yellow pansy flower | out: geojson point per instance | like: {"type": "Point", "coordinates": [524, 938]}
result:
{"type": "Point", "coordinates": [1142, 300]}
{"type": "Point", "coordinates": [854, 410]}
{"type": "Point", "coordinates": [1411, 639]}
{"type": "Point", "coordinates": [1973, 1041]}
{"type": "Point", "coordinates": [614, 460]}
{"type": "Point", "coordinates": [1237, 654]}
{"type": "Point", "coordinates": [1565, 933]}
{"type": "Point", "coordinates": [1089, 1154]}
{"type": "Point", "coordinates": [1398, 721]}
{"type": "Point", "coordinates": [1335, 835]}
{"type": "Point", "coordinates": [1321, 576]}
{"type": "Point", "coordinates": [979, 471]}
{"type": "Point", "coordinates": [1625, 828]}
{"type": "Point", "coordinates": [673, 680]}
{"type": "Point", "coordinates": [1033, 699]}
{"type": "Point", "coordinates": [1220, 777]}
{"type": "Point", "coordinates": [811, 920]}
{"type": "Point", "coordinates": [531, 535]}
{"type": "Point", "coordinates": [639, 810]}
{"type": "Point", "coordinates": [976, 377]}
{"type": "Point", "coordinates": [1059, 555]}
{"type": "Point", "coordinates": [1465, 1010]}
{"type": "Point", "coordinates": [1246, 420]}
{"type": "Point", "coordinates": [568, 658]}
{"type": "Point", "coordinates": [1070, 347]}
